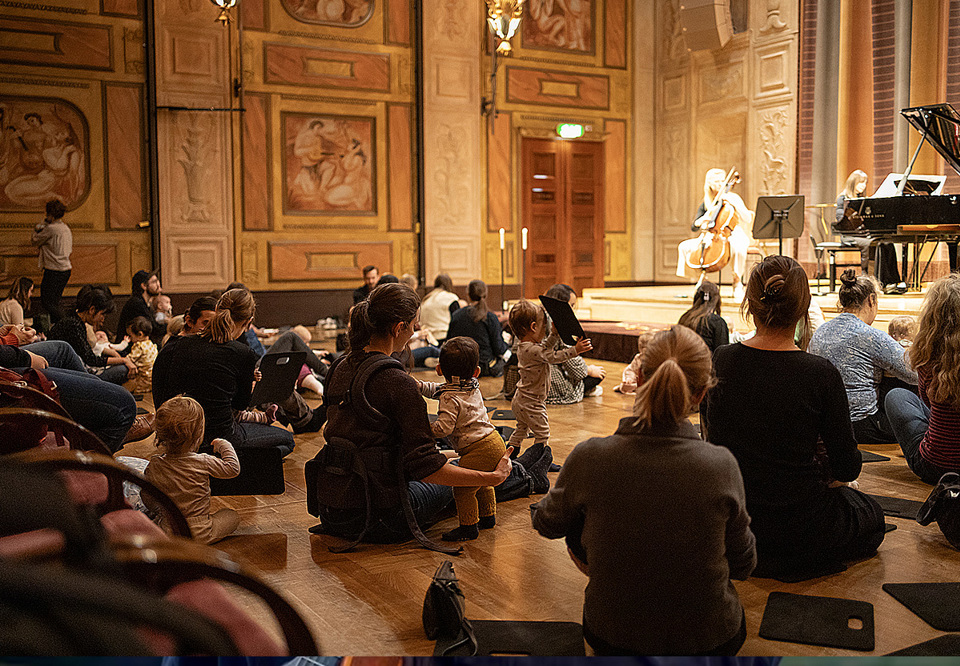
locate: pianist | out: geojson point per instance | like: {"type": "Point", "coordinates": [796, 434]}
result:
{"type": "Point", "coordinates": [888, 272]}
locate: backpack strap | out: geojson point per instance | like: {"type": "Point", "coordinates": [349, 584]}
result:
{"type": "Point", "coordinates": [356, 395]}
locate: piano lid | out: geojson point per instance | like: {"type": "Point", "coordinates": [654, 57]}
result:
{"type": "Point", "coordinates": [943, 123]}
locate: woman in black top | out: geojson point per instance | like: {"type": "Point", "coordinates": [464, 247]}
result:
{"type": "Point", "coordinates": [216, 370]}
{"type": "Point", "coordinates": [477, 322]}
{"type": "Point", "coordinates": [380, 327]}
{"type": "Point", "coordinates": [704, 318]}
{"type": "Point", "coordinates": [93, 305]}
{"type": "Point", "coordinates": [771, 404]}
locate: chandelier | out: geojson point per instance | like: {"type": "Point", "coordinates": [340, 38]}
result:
{"type": "Point", "coordinates": [503, 19]}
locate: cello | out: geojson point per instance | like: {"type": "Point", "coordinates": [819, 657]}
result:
{"type": "Point", "coordinates": [717, 223]}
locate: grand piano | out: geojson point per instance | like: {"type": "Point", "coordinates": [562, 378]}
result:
{"type": "Point", "coordinates": [913, 215]}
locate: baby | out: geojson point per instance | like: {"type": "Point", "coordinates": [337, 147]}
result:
{"type": "Point", "coordinates": [630, 378]}
{"type": "Point", "coordinates": [528, 321]}
{"type": "Point", "coordinates": [162, 309]}
{"type": "Point", "coordinates": [462, 417]}
{"type": "Point", "coordinates": [184, 474]}
{"type": "Point", "coordinates": [903, 329]}
{"type": "Point", "coordinates": [143, 353]}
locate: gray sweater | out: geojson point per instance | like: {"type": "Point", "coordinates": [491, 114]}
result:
{"type": "Point", "coordinates": [665, 529]}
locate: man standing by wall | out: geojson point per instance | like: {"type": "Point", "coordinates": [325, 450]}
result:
{"type": "Point", "coordinates": [55, 241]}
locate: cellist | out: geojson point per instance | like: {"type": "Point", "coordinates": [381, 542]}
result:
{"type": "Point", "coordinates": [738, 238]}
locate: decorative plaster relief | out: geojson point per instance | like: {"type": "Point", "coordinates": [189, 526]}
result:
{"type": "Point", "coordinates": [198, 151]}
{"type": "Point", "coordinates": [773, 71]}
{"type": "Point", "coordinates": [672, 176]}
{"type": "Point", "coordinates": [722, 83]}
{"type": "Point", "coordinates": [674, 93]}
{"type": "Point", "coordinates": [773, 21]}
{"type": "Point", "coordinates": [249, 262]}
{"type": "Point", "coordinates": [674, 45]}
{"type": "Point", "coordinates": [774, 128]}
{"type": "Point", "coordinates": [450, 176]}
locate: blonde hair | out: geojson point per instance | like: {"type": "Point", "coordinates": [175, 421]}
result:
{"type": "Point", "coordinates": [523, 316]}
{"type": "Point", "coordinates": [902, 327]}
{"type": "Point", "coordinates": [850, 187]}
{"type": "Point", "coordinates": [234, 306]}
{"type": "Point", "coordinates": [643, 340]}
{"type": "Point", "coordinates": [712, 174]}
{"type": "Point", "coordinates": [179, 425]}
{"type": "Point", "coordinates": [936, 348]}
{"type": "Point", "coordinates": [677, 367]}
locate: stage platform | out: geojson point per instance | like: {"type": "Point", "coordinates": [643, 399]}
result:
{"type": "Point", "coordinates": [626, 312]}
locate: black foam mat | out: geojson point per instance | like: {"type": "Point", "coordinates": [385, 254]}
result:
{"type": "Point", "coordinates": [888, 527]}
{"type": "Point", "coordinates": [522, 638]}
{"type": "Point", "coordinates": [799, 574]}
{"type": "Point", "coordinates": [937, 604]}
{"type": "Point", "coordinates": [867, 456]}
{"type": "Point", "coordinates": [897, 507]}
{"type": "Point", "coordinates": [502, 415]}
{"type": "Point", "coordinates": [797, 618]}
{"type": "Point", "coordinates": [941, 646]}
{"type": "Point", "coordinates": [141, 410]}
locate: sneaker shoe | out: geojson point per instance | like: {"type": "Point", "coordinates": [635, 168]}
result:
{"type": "Point", "coordinates": [462, 533]}
{"type": "Point", "coordinates": [595, 392]}
{"type": "Point", "coordinates": [141, 429]}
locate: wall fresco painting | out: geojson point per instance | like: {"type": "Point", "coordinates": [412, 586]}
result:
{"type": "Point", "coordinates": [44, 153]}
{"type": "Point", "coordinates": [329, 164]}
{"type": "Point", "coordinates": [347, 13]}
{"type": "Point", "coordinates": [565, 25]}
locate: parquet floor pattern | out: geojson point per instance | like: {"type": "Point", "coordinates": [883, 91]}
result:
{"type": "Point", "coordinates": [368, 602]}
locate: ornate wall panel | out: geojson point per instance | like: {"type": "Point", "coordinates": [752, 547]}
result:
{"type": "Point", "coordinates": [734, 106]}
{"type": "Point", "coordinates": [500, 175]}
{"type": "Point", "coordinates": [401, 166]}
{"type": "Point", "coordinates": [326, 68]}
{"type": "Point", "coordinates": [125, 181]}
{"type": "Point", "coordinates": [257, 180]}
{"type": "Point", "coordinates": [56, 43]}
{"type": "Point", "coordinates": [615, 176]}
{"type": "Point", "coordinates": [295, 261]}
{"type": "Point", "coordinates": [615, 39]}
{"type": "Point", "coordinates": [71, 91]}
{"type": "Point", "coordinates": [398, 23]}
{"type": "Point", "coordinates": [549, 88]}
{"type": "Point", "coordinates": [452, 134]}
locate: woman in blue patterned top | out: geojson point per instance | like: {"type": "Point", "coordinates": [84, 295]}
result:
{"type": "Point", "coordinates": [862, 354]}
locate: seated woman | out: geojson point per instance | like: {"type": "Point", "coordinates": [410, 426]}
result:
{"type": "Point", "coordinates": [927, 426]}
{"type": "Point", "coordinates": [477, 322]}
{"type": "Point", "coordinates": [770, 407]}
{"type": "Point", "coordinates": [615, 494]}
{"type": "Point", "coordinates": [17, 302]}
{"type": "Point", "coordinates": [436, 310]}
{"type": "Point", "coordinates": [862, 354]}
{"type": "Point", "coordinates": [703, 317]}
{"type": "Point", "coordinates": [92, 306]}
{"type": "Point", "coordinates": [385, 420]}
{"type": "Point", "coordinates": [217, 370]}
{"type": "Point", "coordinates": [572, 380]}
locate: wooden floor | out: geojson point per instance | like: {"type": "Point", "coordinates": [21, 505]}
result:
{"type": "Point", "coordinates": [368, 602]}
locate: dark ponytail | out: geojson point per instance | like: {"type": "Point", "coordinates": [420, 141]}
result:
{"type": "Point", "coordinates": [234, 306]}
{"type": "Point", "coordinates": [477, 293]}
{"type": "Point", "coordinates": [855, 290]}
{"type": "Point", "coordinates": [387, 305]}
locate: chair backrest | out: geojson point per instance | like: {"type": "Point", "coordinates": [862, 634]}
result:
{"type": "Point", "coordinates": [169, 566]}
{"type": "Point", "coordinates": [28, 420]}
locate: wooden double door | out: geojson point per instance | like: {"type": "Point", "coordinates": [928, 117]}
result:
{"type": "Point", "coordinates": [563, 211]}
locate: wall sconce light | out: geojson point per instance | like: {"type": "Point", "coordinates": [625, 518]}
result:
{"type": "Point", "coordinates": [503, 20]}
{"type": "Point", "coordinates": [225, 7]}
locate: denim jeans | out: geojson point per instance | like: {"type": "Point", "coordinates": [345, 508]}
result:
{"type": "Point", "coordinates": [260, 435]}
{"type": "Point", "coordinates": [910, 418]}
{"type": "Point", "coordinates": [58, 354]}
{"type": "Point", "coordinates": [115, 374]}
{"type": "Point", "coordinates": [420, 354]}
{"type": "Point", "coordinates": [291, 342]}
{"type": "Point", "coordinates": [105, 409]}
{"type": "Point", "coordinates": [428, 501]}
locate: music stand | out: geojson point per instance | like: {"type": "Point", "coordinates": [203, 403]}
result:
{"type": "Point", "coordinates": [779, 217]}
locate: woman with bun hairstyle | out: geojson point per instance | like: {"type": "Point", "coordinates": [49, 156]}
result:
{"type": "Point", "coordinates": [384, 419]}
{"type": "Point", "coordinates": [862, 354]}
{"type": "Point", "coordinates": [927, 426]}
{"type": "Point", "coordinates": [771, 406]}
{"type": "Point", "coordinates": [217, 370]}
{"type": "Point", "coordinates": [628, 504]}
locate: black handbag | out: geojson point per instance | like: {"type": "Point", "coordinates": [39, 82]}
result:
{"type": "Point", "coordinates": [943, 506]}
{"type": "Point", "coordinates": [443, 612]}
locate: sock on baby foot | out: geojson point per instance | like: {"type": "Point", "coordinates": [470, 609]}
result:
{"type": "Point", "coordinates": [487, 522]}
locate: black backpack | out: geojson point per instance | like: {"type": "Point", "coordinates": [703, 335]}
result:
{"type": "Point", "coordinates": [340, 474]}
